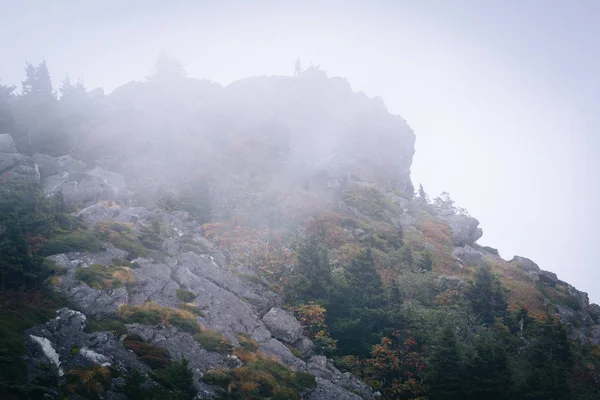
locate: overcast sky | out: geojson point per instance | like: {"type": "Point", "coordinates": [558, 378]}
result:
{"type": "Point", "coordinates": [502, 95]}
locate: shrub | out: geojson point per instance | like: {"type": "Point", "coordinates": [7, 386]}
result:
{"type": "Point", "coordinates": [303, 379]}
{"type": "Point", "coordinates": [69, 242]}
{"type": "Point", "coordinates": [185, 324]}
{"type": "Point", "coordinates": [100, 277]}
{"type": "Point", "coordinates": [213, 341]}
{"type": "Point", "coordinates": [262, 378]}
{"type": "Point", "coordinates": [122, 236]}
{"type": "Point", "coordinates": [247, 343]}
{"type": "Point", "coordinates": [185, 295]}
{"type": "Point", "coordinates": [191, 308]}
{"type": "Point", "coordinates": [114, 326]}
{"type": "Point", "coordinates": [149, 234]}
{"type": "Point", "coordinates": [89, 382]}
{"type": "Point", "coordinates": [154, 356]}
{"type": "Point", "coordinates": [177, 377]}
{"type": "Point", "coordinates": [136, 315]}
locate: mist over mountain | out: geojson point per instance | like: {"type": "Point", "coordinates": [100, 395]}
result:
{"type": "Point", "coordinates": [181, 239]}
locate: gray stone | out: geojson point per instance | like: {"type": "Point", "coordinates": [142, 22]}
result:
{"type": "Point", "coordinates": [7, 144]}
{"type": "Point", "coordinates": [322, 368]}
{"type": "Point", "coordinates": [468, 255]}
{"type": "Point", "coordinates": [275, 348]}
{"type": "Point", "coordinates": [305, 346]}
{"type": "Point", "coordinates": [464, 229]}
{"type": "Point", "coordinates": [528, 266]}
{"type": "Point", "coordinates": [66, 332]}
{"type": "Point", "coordinates": [180, 344]}
{"type": "Point", "coordinates": [594, 311]}
{"type": "Point", "coordinates": [326, 390]}
{"type": "Point", "coordinates": [98, 212]}
{"type": "Point", "coordinates": [548, 278]}
{"type": "Point", "coordinates": [594, 335]}
{"type": "Point", "coordinates": [87, 187]}
{"type": "Point", "coordinates": [283, 325]}
{"type": "Point", "coordinates": [18, 167]}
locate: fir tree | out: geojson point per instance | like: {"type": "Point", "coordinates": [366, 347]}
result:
{"type": "Point", "coordinates": [446, 372]}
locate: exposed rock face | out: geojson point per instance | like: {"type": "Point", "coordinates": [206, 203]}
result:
{"type": "Point", "coordinates": [283, 325]}
{"type": "Point", "coordinates": [322, 368]}
{"type": "Point", "coordinates": [465, 230]}
{"type": "Point", "coordinates": [468, 255]}
{"type": "Point", "coordinates": [83, 188]}
{"type": "Point", "coordinates": [18, 167]}
{"type": "Point", "coordinates": [548, 278]}
{"type": "Point", "coordinates": [65, 333]}
{"type": "Point", "coordinates": [229, 305]}
{"type": "Point", "coordinates": [7, 144]}
{"type": "Point", "coordinates": [528, 266]}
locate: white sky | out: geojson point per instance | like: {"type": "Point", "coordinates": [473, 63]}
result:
{"type": "Point", "coordinates": [503, 98]}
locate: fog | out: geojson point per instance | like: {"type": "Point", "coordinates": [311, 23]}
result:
{"type": "Point", "coordinates": [502, 98]}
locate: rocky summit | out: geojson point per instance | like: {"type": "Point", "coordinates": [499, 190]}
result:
{"type": "Point", "coordinates": [180, 239]}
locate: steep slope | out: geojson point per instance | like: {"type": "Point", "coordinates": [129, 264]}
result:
{"type": "Point", "coordinates": [259, 228]}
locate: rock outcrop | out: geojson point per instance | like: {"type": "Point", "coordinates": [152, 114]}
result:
{"type": "Point", "coordinates": [15, 166]}
{"type": "Point", "coordinates": [283, 325]}
{"type": "Point", "coordinates": [465, 229]}
{"type": "Point", "coordinates": [229, 304]}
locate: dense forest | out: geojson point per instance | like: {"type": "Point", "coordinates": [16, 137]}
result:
{"type": "Point", "coordinates": [374, 274]}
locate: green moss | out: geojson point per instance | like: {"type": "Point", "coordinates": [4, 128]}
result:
{"type": "Point", "coordinates": [74, 241]}
{"type": "Point", "coordinates": [74, 350]}
{"type": "Point", "coordinates": [154, 356]}
{"type": "Point", "coordinates": [114, 326]}
{"type": "Point", "coordinates": [213, 341]}
{"type": "Point", "coordinates": [185, 295]}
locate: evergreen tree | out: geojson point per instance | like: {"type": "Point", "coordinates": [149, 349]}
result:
{"type": "Point", "coordinates": [312, 275]}
{"type": "Point", "coordinates": [364, 283]}
{"type": "Point", "coordinates": [488, 374]}
{"type": "Point", "coordinates": [177, 377]}
{"type": "Point", "coordinates": [423, 197]}
{"type": "Point", "coordinates": [6, 117]}
{"type": "Point", "coordinates": [445, 381]}
{"type": "Point", "coordinates": [486, 296]}
{"type": "Point", "coordinates": [38, 125]}
{"type": "Point", "coordinates": [550, 362]}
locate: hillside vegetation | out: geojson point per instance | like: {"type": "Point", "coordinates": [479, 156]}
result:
{"type": "Point", "coordinates": [261, 240]}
